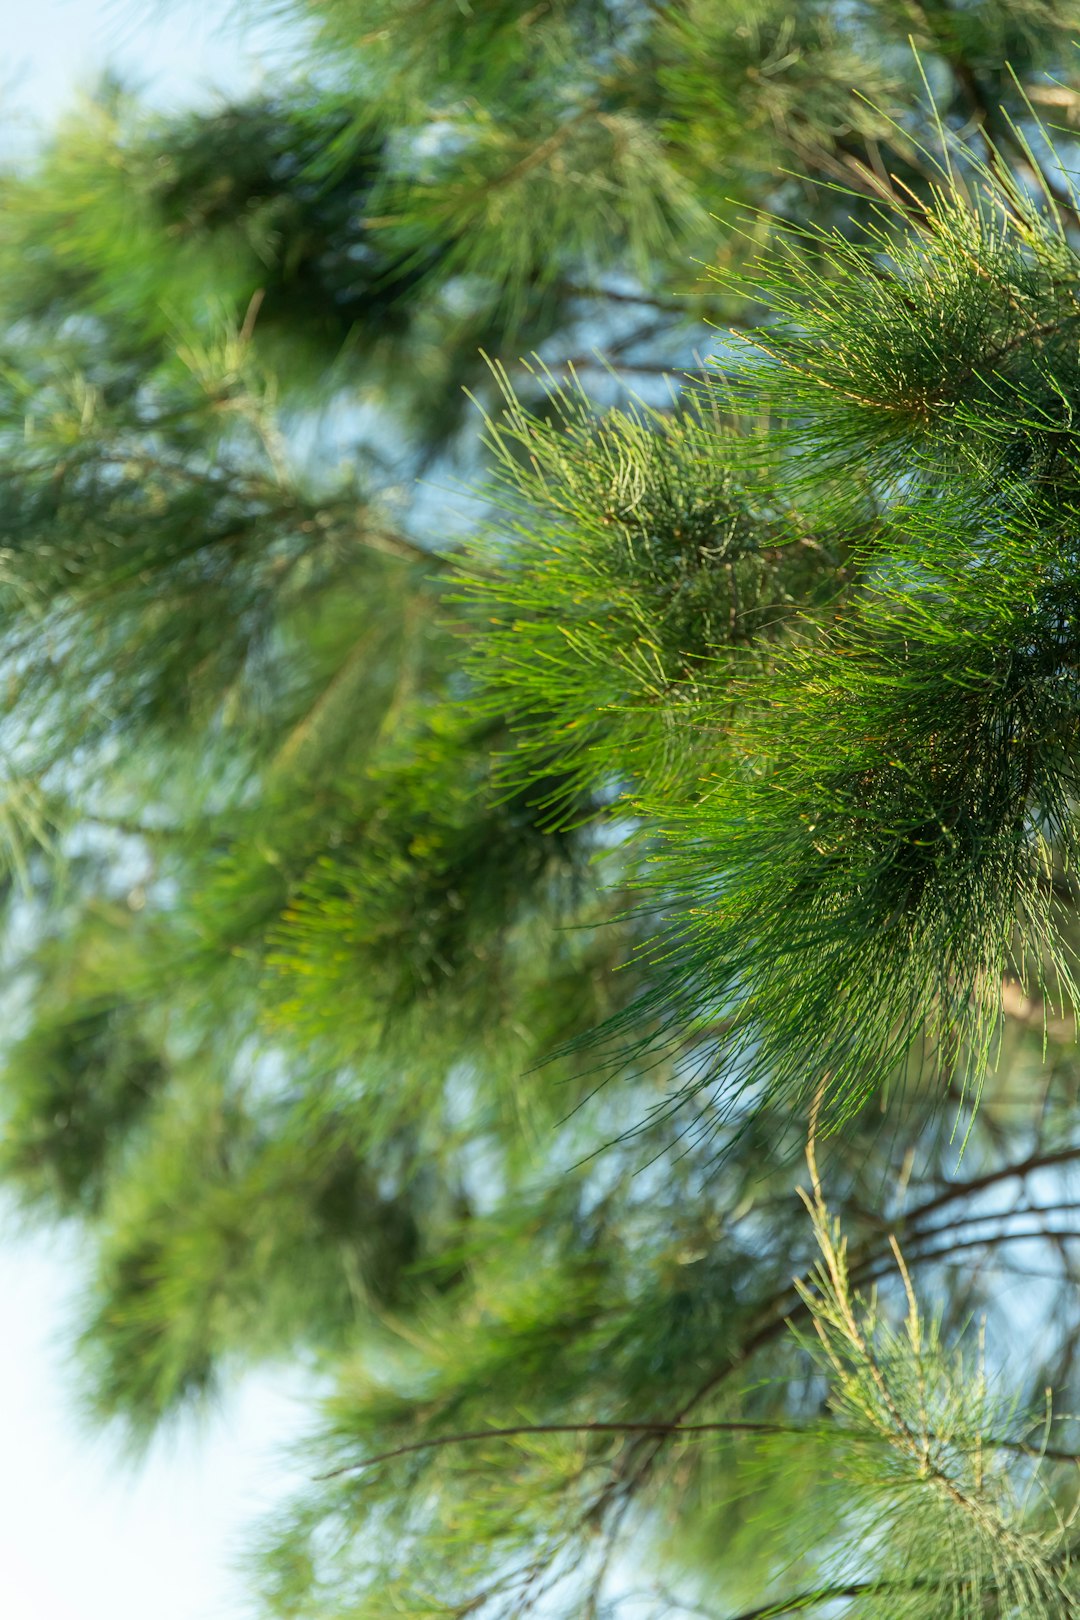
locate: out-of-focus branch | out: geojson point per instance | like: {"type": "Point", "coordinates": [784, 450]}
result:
{"type": "Point", "coordinates": [786, 1307]}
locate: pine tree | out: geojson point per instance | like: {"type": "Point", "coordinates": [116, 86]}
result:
{"type": "Point", "coordinates": [446, 934]}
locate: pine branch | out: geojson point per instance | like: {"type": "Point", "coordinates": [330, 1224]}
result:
{"type": "Point", "coordinates": [814, 1596]}
{"type": "Point", "coordinates": [1042, 1159]}
{"type": "Point", "coordinates": [473, 1436]}
{"type": "Point", "coordinates": [668, 1430]}
{"type": "Point", "coordinates": [681, 308]}
{"type": "Point", "coordinates": [788, 1309]}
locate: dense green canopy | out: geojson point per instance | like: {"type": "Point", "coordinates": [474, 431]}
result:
{"type": "Point", "coordinates": [479, 835]}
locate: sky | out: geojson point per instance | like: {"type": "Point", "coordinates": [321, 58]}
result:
{"type": "Point", "coordinates": [84, 1534]}
{"type": "Point", "coordinates": [175, 50]}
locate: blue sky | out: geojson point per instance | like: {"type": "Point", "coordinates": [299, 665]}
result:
{"type": "Point", "coordinates": [174, 49]}
{"type": "Point", "coordinates": [84, 1535]}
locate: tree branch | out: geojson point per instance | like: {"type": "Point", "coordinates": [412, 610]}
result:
{"type": "Point", "coordinates": [720, 1426]}
{"type": "Point", "coordinates": [786, 1307]}
{"type": "Point", "coordinates": [471, 1436]}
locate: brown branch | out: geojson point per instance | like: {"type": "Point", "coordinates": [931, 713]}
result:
{"type": "Point", "coordinates": [646, 368]}
{"type": "Point", "coordinates": [828, 1594]}
{"type": "Point", "coordinates": [832, 1594]}
{"type": "Point", "coordinates": [471, 1436]}
{"type": "Point", "coordinates": [1035, 333]}
{"type": "Point", "coordinates": [786, 1307]}
{"type": "Point", "coordinates": [670, 305]}
{"type": "Point", "coordinates": [990, 1240]}
{"type": "Point", "coordinates": [954, 1190]}
{"type": "Point", "coordinates": [540, 153]}
{"type": "Point", "coordinates": [667, 1429]}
